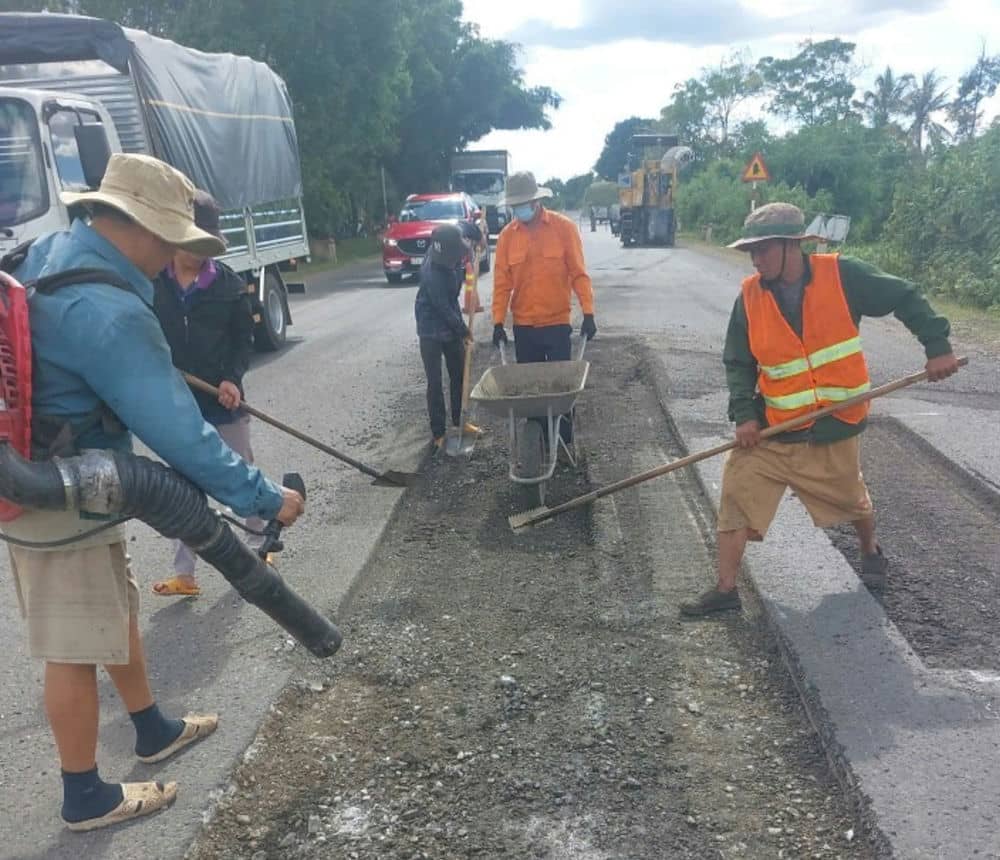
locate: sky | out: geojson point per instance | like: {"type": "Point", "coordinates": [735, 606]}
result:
{"type": "Point", "coordinates": [612, 59]}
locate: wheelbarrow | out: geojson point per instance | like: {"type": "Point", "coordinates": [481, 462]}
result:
{"type": "Point", "coordinates": [535, 398]}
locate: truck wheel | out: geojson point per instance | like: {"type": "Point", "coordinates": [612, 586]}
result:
{"type": "Point", "coordinates": [272, 329]}
{"type": "Point", "coordinates": [394, 277]}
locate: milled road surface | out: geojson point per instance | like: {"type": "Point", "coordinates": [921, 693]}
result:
{"type": "Point", "coordinates": [352, 377]}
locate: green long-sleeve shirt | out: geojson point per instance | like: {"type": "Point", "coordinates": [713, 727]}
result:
{"type": "Point", "coordinates": [870, 293]}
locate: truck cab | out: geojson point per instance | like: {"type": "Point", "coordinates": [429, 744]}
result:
{"type": "Point", "coordinates": [49, 143]}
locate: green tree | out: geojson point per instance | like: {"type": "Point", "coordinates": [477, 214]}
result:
{"type": "Point", "coordinates": [617, 146]}
{"type": "Point", "coordinates": [887, 99]}
{"type": "Point", "coordinates": [575, 189]}
{"type": "Point", "coordinates": [463, 86]}
{"type": "Point", "coordinates": [974, 87]}
{"type": "Point", "coordinates": [815, 86]}
{"type": "Point", "coordinates": [925, 101]}
{"type": "Point", "coordinates": [726, 87]}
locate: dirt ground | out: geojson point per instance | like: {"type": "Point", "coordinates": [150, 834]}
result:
{"type": "Point", "coordinates": [536, 695]}
{"type": "Point", "coordinates": [943, 595]}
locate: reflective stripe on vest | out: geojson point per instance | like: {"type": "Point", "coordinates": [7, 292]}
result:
{"type": "Point", "coordinates": [817, 359]}
{"type": "Point", "coordinates": [812, 396]}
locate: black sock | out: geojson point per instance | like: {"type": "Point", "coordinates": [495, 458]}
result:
{"type": "Point", "coordinates": [86, 795]}
{"type": "Point", "coordinates": [153, 731]}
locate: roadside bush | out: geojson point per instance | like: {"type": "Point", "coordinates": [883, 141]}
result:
{"type": "Point", "coordinates": [944, 231]}
{"type": "Point", "coordinates": [716, 196]}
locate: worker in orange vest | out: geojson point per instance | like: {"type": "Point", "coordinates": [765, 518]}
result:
{"type": "Point", "coordinates": [792, 347]}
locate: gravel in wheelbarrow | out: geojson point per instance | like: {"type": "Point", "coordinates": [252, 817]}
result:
{"type": "Point", "coordinates": [530, 390]}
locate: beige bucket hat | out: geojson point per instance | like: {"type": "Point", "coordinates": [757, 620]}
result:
{"type": "Point", "coordinates": [773, 221]}
{"type": "Point", "coordinates": [155, 196]}
{"type": "Point", "coordinates": [522, 188]}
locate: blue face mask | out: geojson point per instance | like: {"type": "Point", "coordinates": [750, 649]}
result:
{"type": "Point", "coordinates": [525, 212]}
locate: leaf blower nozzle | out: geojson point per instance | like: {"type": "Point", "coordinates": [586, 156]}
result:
{"type": "Point", "coordinates": [113, 482]}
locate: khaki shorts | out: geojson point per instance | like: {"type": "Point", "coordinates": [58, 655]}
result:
{"type": "Point", "coordinates": [826, 478]}
{"type": "Point", "coordinates": [77, 602]}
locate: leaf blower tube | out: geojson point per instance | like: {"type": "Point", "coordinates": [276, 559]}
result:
{"type": "Point", "coordinates": [112, 482]}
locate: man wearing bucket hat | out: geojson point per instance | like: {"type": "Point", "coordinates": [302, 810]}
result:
{"type": "Point", "coordinates": [205, 312]}
{"type": "Point", "coordinates": [440, 326]}
{"type": "Point", "coordinates": [792, 347]}
{"type": "Point", "coordinates": [537, 266]}
{"type": "Point", "coordinates": [102, 371]}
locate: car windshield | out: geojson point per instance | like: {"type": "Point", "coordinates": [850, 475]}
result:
{"type": "Point", "coordinates": [23, 192]}
{"type": "Point", "coordinates": [478, 183]}
{"type": "Point", "coordinates": [432, 210]}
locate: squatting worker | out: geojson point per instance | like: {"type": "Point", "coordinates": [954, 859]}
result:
{"type": "Point", "coordinates": [793, 347]}
{"type": "Point", "coordinates": [537, 265]}
{"type": "Point", "coordinates": [440, 326]}
{"type": "Point", "coordinates": [102, 371]}
{"type": "Point", "coordinates": [205, 312]}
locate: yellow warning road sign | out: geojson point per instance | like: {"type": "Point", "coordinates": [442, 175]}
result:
{"type": "Point", "coordinates": [756, 170]}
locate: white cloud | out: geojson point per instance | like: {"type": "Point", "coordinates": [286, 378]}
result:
{"type": "Point", "coordinates": [613, 79]}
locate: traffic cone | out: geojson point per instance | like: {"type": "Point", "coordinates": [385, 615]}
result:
{"type": "Point", "coordinates": [471, 302]}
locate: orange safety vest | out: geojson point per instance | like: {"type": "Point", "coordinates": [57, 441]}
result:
{"type": "Point", "coordinates": [824, 366]}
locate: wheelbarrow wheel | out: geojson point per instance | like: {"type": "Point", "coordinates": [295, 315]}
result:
{"type": "Point", "coordinates": [532, 458]}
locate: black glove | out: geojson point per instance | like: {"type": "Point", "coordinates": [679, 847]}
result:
{"type": "Point", "coordinates": [589, 327]}
{"type": "Point", "coordinates": [499, 335]}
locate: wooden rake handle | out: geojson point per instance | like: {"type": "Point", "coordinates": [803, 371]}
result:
{"type": "Point", "coordinates": [673, 466]}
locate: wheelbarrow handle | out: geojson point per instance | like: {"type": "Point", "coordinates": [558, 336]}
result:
{"type": "Point", "coordinates": [583, 347]}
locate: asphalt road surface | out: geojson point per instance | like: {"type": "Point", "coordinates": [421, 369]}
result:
{"type": "Point", "coordinates": [351, 375]}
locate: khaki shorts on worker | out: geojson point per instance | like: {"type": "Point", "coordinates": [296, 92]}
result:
{"type": "Point", "coordinates": [77, 602]}
{"type": "Point", "coordinates": [826, 478]}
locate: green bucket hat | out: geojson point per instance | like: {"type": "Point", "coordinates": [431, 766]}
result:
{"type": "Point", "coordinates": [773, 221]}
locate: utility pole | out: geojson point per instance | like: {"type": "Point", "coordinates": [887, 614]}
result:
{"type": "Point", "coordinates": [385, 199]}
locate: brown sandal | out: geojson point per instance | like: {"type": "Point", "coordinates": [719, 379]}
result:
{"type": "Point", "coordinates": [140, 798]}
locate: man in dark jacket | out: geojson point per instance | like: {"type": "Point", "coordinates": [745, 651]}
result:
{"type": "Point", "coordinates": [205, 312]}
{"type": "Point", "coordinates": [440, 327]}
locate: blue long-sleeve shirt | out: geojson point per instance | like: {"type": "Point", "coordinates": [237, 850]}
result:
{"type": "Point", "coordinates": [96, 342]}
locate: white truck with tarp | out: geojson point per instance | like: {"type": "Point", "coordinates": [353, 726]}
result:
{"type": "Point", "coordinates": [75, 89]}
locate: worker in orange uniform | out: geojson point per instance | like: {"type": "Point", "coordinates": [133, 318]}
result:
{"type": "Point", "coordinates": [538, 263]}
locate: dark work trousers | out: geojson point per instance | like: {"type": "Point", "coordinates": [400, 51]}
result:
{"type": "Point", "coordinates": [431, 351]}
{"type": "Point", "coordinates": [546, 343]}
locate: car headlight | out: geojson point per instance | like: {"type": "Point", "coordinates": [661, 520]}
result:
{"type": "Point", "coordinates": [390, 243]}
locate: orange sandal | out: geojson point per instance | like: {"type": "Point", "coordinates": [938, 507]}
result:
{"type": "Point", "coordinates": [175, 587]}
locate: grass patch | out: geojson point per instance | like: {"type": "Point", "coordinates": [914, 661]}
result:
{"type": "Point", "coordinates": [348, 251]}
{"type": "Point", "coordinates": [975, 325]}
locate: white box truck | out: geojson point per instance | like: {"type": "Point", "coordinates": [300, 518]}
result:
{"type": "Point", "coordinates": [482, 175]}
{"type": "Point", "coordinates": [75, 89]}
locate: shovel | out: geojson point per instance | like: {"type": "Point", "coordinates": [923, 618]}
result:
{"type": "Point", "coordinates": [387, 478]}
{"type": "Point", "coordinates": [459, 444]}
{"type": "Point", "coordinates": [540, 515]}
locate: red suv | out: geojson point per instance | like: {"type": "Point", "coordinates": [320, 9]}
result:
{"type": "Point", "coordinates": [407, 238]}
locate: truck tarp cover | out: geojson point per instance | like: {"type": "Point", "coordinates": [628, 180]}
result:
{"type": "Point", "coordinates": [226, 121]}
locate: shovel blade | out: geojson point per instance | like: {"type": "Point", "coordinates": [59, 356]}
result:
{"type": "Point", "coordinates": [460, 444]}
{"type": "Point", "coordinates": [390, 478]}
{"type": "Point", "coordinates": [527, 518]}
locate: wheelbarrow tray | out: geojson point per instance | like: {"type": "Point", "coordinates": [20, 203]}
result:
{"type": "Point", "coordinates": [531, 390]}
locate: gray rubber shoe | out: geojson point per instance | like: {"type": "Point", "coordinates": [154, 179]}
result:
{"type": "Point", "coordinates": [711, 601]}
{"type": "Point", "coordinates": [875, 571]}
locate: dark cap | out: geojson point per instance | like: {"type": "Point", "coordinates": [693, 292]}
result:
{"type": "Point", "coordinates": [206, 213]}
{"type": "Point", "coordinates": [447, 246]}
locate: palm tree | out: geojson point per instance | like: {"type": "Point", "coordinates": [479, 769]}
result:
{"type": "Point", "coordinates": [923, 102]}
{"type": "Point", "coordinates": [887, 99]}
